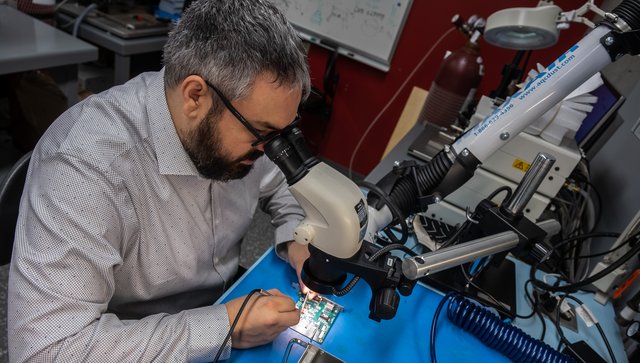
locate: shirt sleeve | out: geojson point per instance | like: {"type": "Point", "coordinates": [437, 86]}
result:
{"type": "Point", "coordinates": [69, 239]}
{"type": "Point", "coordinates": [277, 200]}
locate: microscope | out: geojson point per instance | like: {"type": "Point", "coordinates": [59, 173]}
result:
{"type": "Point", "coordinates": [341, 225]}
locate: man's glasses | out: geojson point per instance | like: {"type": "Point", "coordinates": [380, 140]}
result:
{"type": "Point", "coordinates": [260, 138]}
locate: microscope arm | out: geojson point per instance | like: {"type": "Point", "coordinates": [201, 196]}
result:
{"type": "Point", "coordinates": [445, 258]}
{"type": "Point", "coordinates": [512, 230]}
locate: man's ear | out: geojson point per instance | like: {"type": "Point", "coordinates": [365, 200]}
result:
{"type": "Point", "coordinates": [196, 98]}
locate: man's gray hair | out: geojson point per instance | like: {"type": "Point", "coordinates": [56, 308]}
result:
{"type": "Point", "coordinates": [231, 42]}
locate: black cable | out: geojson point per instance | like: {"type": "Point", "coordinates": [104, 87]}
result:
{"type": "Point", "coordinates": [524, 67]}
{"type": "Point", "coordinates": [575, 286]}
{"type": "Point", "coordinates": [597, 324]}
{"type": "Point", "coordinates": [455, 235]}
{"type": "Point", "coordinates": [395, 212]}
{"type": "Point", "coordinates": [534, 305]}
{"type": "Point", "coordinates": [235, 322]}
{"type": "Point", "coordinates": [581, 238]}
{"type": "Point", "coordinates": [592, 188]}
{"type": "Point", "coordinates": [434, 323]}
{"type": "Point", "coordinates": [388, 248]}
{"type": "Point", "coordinates": [544, 325]}
{"type": "Point", "coordinates": [563, 338]}
{"type": "Point", "coordinates": [372, 258]}
{"type": "Point", "coordinates": [585, 236]}
{"type": "Point", "coordinates": [629, 240]}
{"type": "Point", "coordinates": [347, 287]}
{"type": "Point", "coordinates": [501, 189]}
{"type": "Point", "coordinates": [533, 301]}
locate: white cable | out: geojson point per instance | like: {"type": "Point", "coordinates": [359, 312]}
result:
{"type": "Point", "coordinates": [60, 4]}
{"type": "Point", "coordinates": [375, 120]}
{"type": "Point", "coordinates": [80, 18]}
{"type": "Point", "coordinates": [544, 277]}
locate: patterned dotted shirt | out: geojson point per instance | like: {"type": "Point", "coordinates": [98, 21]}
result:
{"type": "Point", "coordinates": [121, 246]}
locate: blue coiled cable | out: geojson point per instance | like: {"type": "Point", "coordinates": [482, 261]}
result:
{"type": "Point", "coordinates": [493, 332]}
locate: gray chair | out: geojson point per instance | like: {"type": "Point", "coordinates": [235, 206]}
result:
{"type": "Point", "coordinates": [10, 192]}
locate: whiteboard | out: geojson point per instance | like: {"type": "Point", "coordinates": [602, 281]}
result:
{"type": "Point", "coordinates": [365, 30]}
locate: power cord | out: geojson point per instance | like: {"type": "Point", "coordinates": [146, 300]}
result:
{"type": "Point", "coordinates": [535, 303]}
{"type": "Point", "coordinates": [563, 339]}
{"type": "Point", "coordinates": [235, 321]}
{"type": "Point", "coordinates": [631, 240]}
{"type": "Point", "coordinates": [577, 285]}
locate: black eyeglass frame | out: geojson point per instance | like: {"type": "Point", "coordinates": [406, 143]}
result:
{"type": "Point", "coordinates": [260, 139]}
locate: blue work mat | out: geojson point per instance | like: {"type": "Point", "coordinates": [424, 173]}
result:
{"type": "Point", "coordinates": [356, 338]}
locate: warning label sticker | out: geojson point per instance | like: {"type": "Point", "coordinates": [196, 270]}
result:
{"type": "Point", "coordinates": [521, 165]}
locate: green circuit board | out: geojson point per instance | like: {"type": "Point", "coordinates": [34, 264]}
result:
{"type": "Point", "coordinates": [317, 316]}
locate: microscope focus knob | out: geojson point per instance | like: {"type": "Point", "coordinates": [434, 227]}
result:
{"type": "Point", "coordinates": [385, 304]}
{"type": "Point", "coordinates": [304, 233]}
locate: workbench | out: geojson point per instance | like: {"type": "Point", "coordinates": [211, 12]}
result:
{"type": "Point", "coordinates": [356, 338]}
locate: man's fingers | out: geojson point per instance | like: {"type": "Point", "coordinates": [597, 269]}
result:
{"type": "Point", "coordinates": [275, 292]}
{"type": "Point", "coordinates": [289, 318]}
{"type": "Point", "coordinates": [266, 316]}
{"type": "Point", "coordinates": [283, 304]}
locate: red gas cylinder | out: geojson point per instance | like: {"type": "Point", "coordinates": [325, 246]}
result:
{"type": "Point", "coordinates": [454, 86]}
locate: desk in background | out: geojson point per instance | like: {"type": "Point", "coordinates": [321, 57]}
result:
{"type": "Point", "coordinates": [29, 44]}
{"type": "Point", "coordinates": [356, 338]}
{"type": "Point", "coordinates": [123, 48]}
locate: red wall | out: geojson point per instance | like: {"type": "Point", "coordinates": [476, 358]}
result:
{"type": "Point", "coordinates": [363, 91]}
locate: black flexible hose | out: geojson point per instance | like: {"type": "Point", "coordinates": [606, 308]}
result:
{"type": "Point", "coordinates": [395, 212]}
{"type": "Point", "coordinates": [629, 11]}
{"type": "Point", "coordinates": [428, 177]}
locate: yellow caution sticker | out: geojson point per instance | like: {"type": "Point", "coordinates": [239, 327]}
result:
{"type": "Point", "coordinates": [521, 165]}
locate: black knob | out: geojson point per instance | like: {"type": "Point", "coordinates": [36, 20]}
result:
{"type": "Point", "coordinates": [385, 304]}
{"type": "Point", "coordinates": [405, 287]}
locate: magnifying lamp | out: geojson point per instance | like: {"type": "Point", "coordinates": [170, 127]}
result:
{"type": "Point", "coordinates": [523, 28]}
{"type": "Point", "coordinates": [535, 28]}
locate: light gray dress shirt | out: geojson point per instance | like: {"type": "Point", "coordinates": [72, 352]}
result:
{"type": "Point", "coordinates": [121, 246]}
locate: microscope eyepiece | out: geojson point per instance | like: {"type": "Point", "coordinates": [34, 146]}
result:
{"type": "Point", "coordinates": [296, 139]}
{"type": "Point", "coordinates": [286, 157]}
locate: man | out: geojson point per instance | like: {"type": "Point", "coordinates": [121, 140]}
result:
{"type": "Point", "coordinates": [137, 198]}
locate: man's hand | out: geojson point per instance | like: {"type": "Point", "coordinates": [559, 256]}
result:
{"type": "Point", "coordinates": [263, 318]}
{"type": "Point", "coordinates": [298, 253]}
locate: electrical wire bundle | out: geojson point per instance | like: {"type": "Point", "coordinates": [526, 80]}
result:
{"type": "Point", "coordinates": [578, 214]}
{"type": "Point", "coordinates": [570, 257]}
{"type": "Point", "coordinates": [560, 292]}
{"type": "Point", "coordinates": [577, 207]}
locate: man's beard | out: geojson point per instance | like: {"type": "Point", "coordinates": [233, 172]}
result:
{"type": "Point", "coordinates": [204, 147]}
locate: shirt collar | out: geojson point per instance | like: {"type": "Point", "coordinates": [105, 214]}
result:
{"type": "Point", "coordinates": [172, 158]}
